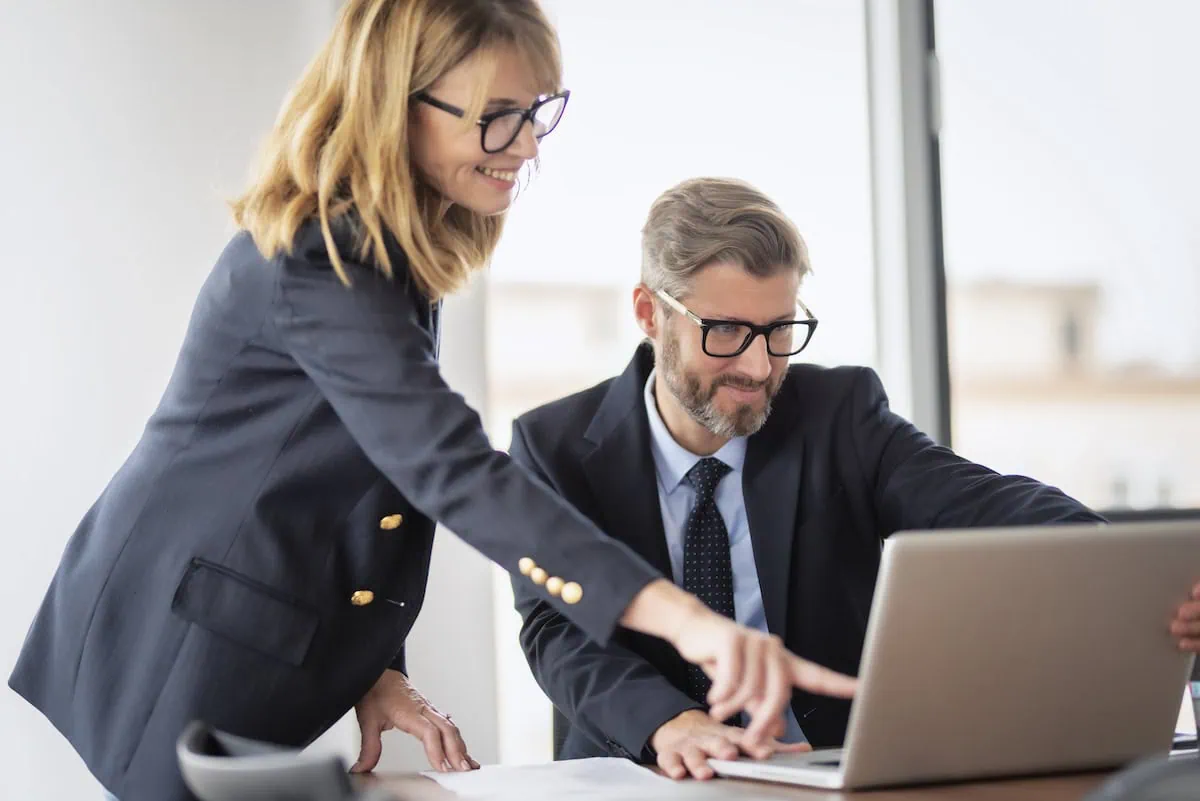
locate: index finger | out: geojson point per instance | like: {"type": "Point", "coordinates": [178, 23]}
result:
{"type": "Point", "coordinates": [821, 680]}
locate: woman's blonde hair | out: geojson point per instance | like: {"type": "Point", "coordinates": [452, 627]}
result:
{"type": "Point", "coordinates": [341, 142]}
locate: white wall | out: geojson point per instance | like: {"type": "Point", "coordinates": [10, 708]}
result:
{"type": "Point", "coordinates": [124, 126]}
{"type": "Point", "coordinates": [451, 651]}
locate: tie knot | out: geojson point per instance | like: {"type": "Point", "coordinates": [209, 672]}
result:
{"type": "Point", "coordinates": [706, 474]}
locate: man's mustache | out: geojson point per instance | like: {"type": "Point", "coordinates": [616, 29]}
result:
{"type": "Point", "coordinates": [737, 382]}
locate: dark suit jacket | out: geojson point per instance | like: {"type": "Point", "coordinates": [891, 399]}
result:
{"type": "Point", "coordinates": [214, 577]}
{"type": "Point", "coordinates": [832, 472]}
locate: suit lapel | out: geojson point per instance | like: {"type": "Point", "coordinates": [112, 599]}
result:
{"type": "Point", "coordinates": [771, 487]}
{"type": "Point", "coordinates": [620, 469]}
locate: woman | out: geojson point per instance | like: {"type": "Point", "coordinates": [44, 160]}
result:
{"type": "Point", "coordinates": [258, 560]}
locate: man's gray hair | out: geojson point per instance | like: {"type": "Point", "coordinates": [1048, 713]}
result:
{"type": "Point", "coordinates": [706, 220]}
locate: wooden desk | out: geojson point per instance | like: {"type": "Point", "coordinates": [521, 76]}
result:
{"type": "Point", "coordinates": [414, 787]}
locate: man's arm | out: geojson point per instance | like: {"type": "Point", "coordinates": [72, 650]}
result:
{"type": "Point", "coordinates": [612, 693]}
{"type": "Point", "coordinates": [917, 484]}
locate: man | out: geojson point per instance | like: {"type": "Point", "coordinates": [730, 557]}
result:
{"type": "Point", "coordinates": [763, 488]}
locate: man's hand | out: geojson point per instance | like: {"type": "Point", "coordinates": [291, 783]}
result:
{"type": "Point", "coordinates": [393, 703]}
{"type": "Point", "coordinates": [685, 743]}
{"type": "Point", "coordinates": [1186, 625]}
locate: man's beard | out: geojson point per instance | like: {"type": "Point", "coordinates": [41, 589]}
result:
{"type": "Point", "coordinates": [743, 421]}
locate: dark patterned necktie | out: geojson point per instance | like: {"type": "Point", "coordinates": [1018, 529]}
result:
{"type": "Point", "coordinates": [707, 567]}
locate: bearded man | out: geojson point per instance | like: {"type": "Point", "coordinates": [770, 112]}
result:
{"type": "Point", "coordinates": [764, 487]}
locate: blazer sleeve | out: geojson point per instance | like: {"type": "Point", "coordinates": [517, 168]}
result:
{"type": "Point", "coordinates": [609, 691]}
{"type": "Point", "coordinates": [917, 484]}
{"type": "Point", "coordinates": [399, 663]}
{"type": "Point", "coordinates": [368, 354]}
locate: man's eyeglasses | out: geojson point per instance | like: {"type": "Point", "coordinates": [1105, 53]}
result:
{"type": "Point", "coordinates": [727, 338]}
{"type": "Point", "coordinates": [499, 129]}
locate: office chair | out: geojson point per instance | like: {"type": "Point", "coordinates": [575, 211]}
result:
{"type": "Point", "coordinates": [217, 766]}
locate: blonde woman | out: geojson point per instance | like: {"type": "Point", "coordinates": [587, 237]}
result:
{"type": "Point", "coordinates": [259, 558]}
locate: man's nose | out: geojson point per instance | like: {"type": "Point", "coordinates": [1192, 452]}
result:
{"type": "Point", "coordinates": [755, 361]}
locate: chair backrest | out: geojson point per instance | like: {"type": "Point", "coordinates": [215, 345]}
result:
{"type": "Point", "coordinates": [218, 766]}
{"type": "Point", "coordinates": [1155, 779]}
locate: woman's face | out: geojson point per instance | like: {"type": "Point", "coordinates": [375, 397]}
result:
{"type": "Point", "coordinates": [450, 156]}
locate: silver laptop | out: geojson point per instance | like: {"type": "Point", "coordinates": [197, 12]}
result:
{"type": "Point", "coordinates": [1004, 652]}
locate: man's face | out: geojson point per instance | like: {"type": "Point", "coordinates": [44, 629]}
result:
{"type": "Point", "coordinates": [727, 396]}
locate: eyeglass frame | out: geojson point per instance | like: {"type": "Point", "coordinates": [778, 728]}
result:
{"type": "Point", "coordinates": [707, 323]}
{"type": "Point", "coordinates": [485, 120]}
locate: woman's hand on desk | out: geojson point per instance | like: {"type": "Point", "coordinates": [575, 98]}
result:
{"type": "Point", "coordinates": [749, 670]}
{"type": "Point", "coordinates": [684, 744]}
{"type": "Point", "coordinates": [393, 703]}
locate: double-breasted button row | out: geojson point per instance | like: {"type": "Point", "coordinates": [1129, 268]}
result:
{"type": "Point", "coordinates": [366, 597]}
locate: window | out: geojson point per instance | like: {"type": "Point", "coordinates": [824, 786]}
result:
{"type": "Point", "coordinates": [1073, 265]}
{"type": "Point", "coordinates": [773, 93]}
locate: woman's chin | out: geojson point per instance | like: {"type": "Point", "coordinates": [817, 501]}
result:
{"type": "Point", "coordinates": [484, 205]}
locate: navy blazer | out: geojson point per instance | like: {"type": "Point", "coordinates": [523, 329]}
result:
{"type": "Point", "coordinates": [259, 558]}
{"type": "Point", "coordinates": [831, 474]}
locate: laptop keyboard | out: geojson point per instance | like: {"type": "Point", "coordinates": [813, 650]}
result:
{"type": "Point", "coordinates": [821, 758]}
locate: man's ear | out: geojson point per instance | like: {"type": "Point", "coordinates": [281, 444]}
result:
{"type": "Point", "coordinates": [644, 310]}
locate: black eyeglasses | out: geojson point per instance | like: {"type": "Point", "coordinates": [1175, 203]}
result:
{"type": "Point", "coordinates": [728, 338]}
{"type": "Point", "coordinates": [499, 129]}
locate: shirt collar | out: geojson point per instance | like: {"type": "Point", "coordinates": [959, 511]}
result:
{"type": "Point", "coordinates": [671, 460]}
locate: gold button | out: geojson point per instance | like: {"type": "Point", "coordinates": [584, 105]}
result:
{"type": "Point", "coordinates": [538, 576]}
{"type": "Point", "coordinates": [526, 565]}
{"type": "Point", "coordinates": [391, 522]}
{"type": "Point", "coordinates": [572, 593]}
{"type": "Point", "coordinates": [554, 585]}
{"type": "Point", "coordinates": [362, 597]}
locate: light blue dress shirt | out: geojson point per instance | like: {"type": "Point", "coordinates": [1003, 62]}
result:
{"type": "Point", "coordinates": [676, 497]}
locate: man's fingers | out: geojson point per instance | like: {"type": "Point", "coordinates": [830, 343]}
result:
{"type": "Point", "coordinates": [821, 681]}
{"type": "Point", "coordinates": [697, 762]}
{"type": "Point", "coordinates": [1189, 610]}
{"type": "Point", "coordinates": [770, 746]}
{"type": "Point", "coordinates": [1189, 628]}
{"type": "Point", "coordinates": [718, 747]}
{"type": "Point", "coordinates": [671, 764]}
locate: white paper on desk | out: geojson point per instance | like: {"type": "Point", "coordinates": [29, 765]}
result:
{"type": "Point", "coordinates": [574, 779]}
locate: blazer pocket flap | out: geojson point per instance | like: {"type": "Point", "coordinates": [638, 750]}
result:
{"type": "Point", "coordinates": [241, 609]}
